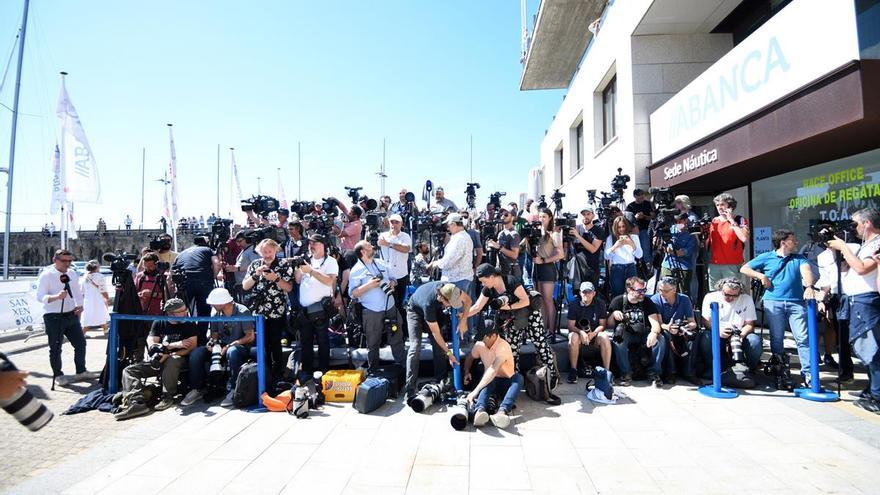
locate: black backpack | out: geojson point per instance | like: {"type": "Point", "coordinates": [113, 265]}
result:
{"type": "Point", "coordinates": [246, 386]}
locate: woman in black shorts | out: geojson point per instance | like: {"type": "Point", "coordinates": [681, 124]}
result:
{"type": "Point", "coordinates": [547, 253]}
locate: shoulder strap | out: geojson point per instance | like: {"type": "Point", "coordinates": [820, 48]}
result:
{"type": "Point", "coordinates": [781, 267]}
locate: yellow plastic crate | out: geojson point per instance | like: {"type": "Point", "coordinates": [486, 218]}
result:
{"type": "Point", "coordinates": [341, 385]}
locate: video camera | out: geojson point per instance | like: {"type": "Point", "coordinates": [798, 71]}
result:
{"type": "Point", "coordinates": [620, 181]}
{"type": "Point", "coordinates": [353, 193]}
{"type": "Point", "coordinates": [260, 205]}
{"type": "Point", "coordinates": [330, 206]}
{"type": "Point", "coordinates": [220, 233]}
{"type": "Point", "coordinates": [824, 231]}
{"type": "Point", "coordinates": [302, 208]}
{"type": "Point", "coordinates": [321, 224]}
{"type": "Point", "coordinates": [470, 193]}
{"type": "Point", "coordinates": [160, 243]}
{"type": "Point", "coordinates": [119, 261]}
{"type": "Point", "coordinates": [254, 236]}
{"type": "Point", "coordinates": [495, 199]}
{"type": "Point", "coordinates": [532, 232]}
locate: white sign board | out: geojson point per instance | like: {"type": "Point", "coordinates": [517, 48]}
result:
{"type": "Point", "coordinates": [19, 310]}
{"type": "Point", "coordinates": [763, 243]}
{"type": "Point", "coordinates": [802, 43]}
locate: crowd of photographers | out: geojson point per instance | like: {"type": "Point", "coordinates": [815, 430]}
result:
{"type": "Point", "coordinates": [374, 273]}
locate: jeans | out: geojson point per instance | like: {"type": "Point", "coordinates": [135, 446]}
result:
{"type": "Point", "coordinates": [416, 325]}
{"type": "Point", "coordinates": [525, 262]}
{"type": "Point", "coordinates": [200, 358]}
{"type": "Point", "coordinates": [374, 327]}
{"type": "Point", "coordinates": [866, 348]}
{"type": "Point", "coordinates": [59, 326]}
{"type": "Point", "coordinates": [752, 347]}
{"type": "Point", "coordinates": [619, 274]}
{"type": "Point", "coordinates": [795, 314]}
{"type": "Point", "coordinates": [645, 241]}
{"type": "Point", "coordinates": [658, 352]}
{"type": "Point", "coordinates": [865, 335]}
{"type": "Point", "coordinates": [197, 295]}
{"type": "Point", "coordinates": [512, 386]}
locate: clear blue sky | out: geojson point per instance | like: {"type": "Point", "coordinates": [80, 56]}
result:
{"type": "Point", "coordinates": [261, 76]}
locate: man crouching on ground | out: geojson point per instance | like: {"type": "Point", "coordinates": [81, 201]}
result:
{"type": "Point", "coordinates": [497, 357]}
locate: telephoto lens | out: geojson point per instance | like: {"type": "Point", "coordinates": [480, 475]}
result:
{"type": "Point", "coordinates": [22, 405]}
{"type": "Point", "coordinates": [301, 402]}
{"type": "Point", "coordinates": [462, 414]}
{"type": "Point", "coordinates": [319, 388]}
{"type": "Point", "coordinates": [736, 346]}
{"type": "Point", "coordinates": [216, 361]}
{"type": "Point", "coordinates": [499, 302]}
{"type": "Point", "coordinates": [427, 396]}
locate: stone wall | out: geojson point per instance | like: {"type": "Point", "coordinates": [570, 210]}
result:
{"type": "Point", "coordinates": [35, 249]}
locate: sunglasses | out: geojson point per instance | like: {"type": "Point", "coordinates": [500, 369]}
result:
{"type": "Point", "coordinates": [587, 291]}
{"type": "Point", "coordinates": [731, 296]}
{"type": "Point", "coordinates": [68, 260]}
{"type": "Point", "coordinates": [640, 291]}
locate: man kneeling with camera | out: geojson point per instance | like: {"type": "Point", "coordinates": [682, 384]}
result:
{"type": "Point", "coordinates": [231, 341]}
{"type": "Point", "coordinates": [169, 343]}
{"type": "Point", "coordinates": [586, 328]}
{"type": "Point", "coordinates": [371, 284]}
{"type": "Point", "coordinates": [636, 324]}
{"type": "Point", "coordinates": [739, 342]}
{"type": "Point", "coordinates": [499, 376]}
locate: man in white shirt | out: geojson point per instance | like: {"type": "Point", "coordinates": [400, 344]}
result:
{"type": "Point", "coordinates": [317, 280]}
{"type": "Point", "coordinates": [59, 291]}
{"type": "Point", "coordinates": [859, 284]}
{"type": "Point", "coordinates": [835, 308]}
{"type": "Point", "coordinates": [736, 313]}
{"type": "Point", "coordinates": [369, 283]}
{"type": "Point", "coordinates": [395, 246]}
{"type": "Point", "coordinates": [457, 261]}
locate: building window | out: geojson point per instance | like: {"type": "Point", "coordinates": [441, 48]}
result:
{"type": "Point", "coordinates": [559, 162]}
{"type": "Point", "coordinates": [579, 146]}
{"type": "Point", "coordinates": [609, 109]}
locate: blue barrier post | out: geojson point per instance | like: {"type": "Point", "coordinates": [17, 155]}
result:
{"type": "Point", "coordinates": [113, 343]}
{"type": "Point", "coordinates": [716, 390]}
{"type": "Point", "coordinates": [456, 369]}
{"type": "Point", "coordinates": [261, 363]}
{"type": "Point", "coordinates": [815, 392]}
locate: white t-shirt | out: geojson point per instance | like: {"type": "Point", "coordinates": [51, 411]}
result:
{"type": "Point", "coordinates": [397, 262]}
{"type": "Point", "coordinates": [853, 283]}
{"type": "Point", "coordinates": [730, 315]}
{"type": "Point", "coordinates": [312, 290]}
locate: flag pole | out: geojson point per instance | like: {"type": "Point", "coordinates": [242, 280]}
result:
{"type": "Point", "coordinates": [218, 180]}
{"type": "Point", "coordinates": [173, 188]}
{"type": "Point", "coordinates": [143, 178]}
{"type": "Point", "coordinates": [12, 142]}
{"type": "Point", "coordinates": [299, 191]}
{"type": "Point", "coordinates": [63, 177]}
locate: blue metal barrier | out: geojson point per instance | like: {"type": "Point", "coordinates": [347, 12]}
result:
{"type": "Point", "coordinates": [716, 390]}
{"type": "Point", "coordinates": [456, 368]}
{"type": "Point", "coordinates": [815, 392]}
{"type": "Point", "coordinates": [257, 319]}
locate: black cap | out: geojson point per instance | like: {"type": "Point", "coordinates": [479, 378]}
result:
{"type": "Point", "coordinates": [487, 270]}
{"type": "Point", "coordinates": [318, 238]}
{"type": "Point", "coordinates": [489, 328]}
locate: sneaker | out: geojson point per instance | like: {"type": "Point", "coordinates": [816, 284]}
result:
{"type": "Point", "coordinates": [829, 361]}
{"type": "Point", "coordinates": [500, 419]}
{"type": "Point", "coordinates": [554, 400]}
{"type": "Point", "coordinates": [166, 402]}
{"type": "Point", "coordinates": [481, 417]}
{"type": "Point", "coordinates": [625, 380]}
{"type": "Point", "coordinates": [656, 382]}
{"type": "Point", "coordinates": [136, 409]}
{"type": "Point", "coordinates": [868, 404]}
{"type": "Point", "coordinates": [846, 378]}
{"type": "Point", "coordinates": [191, 397]}
{"type": "Point", "coordinates": [227, 401]}
{"type": "Point", "coordinates": [572, 376]}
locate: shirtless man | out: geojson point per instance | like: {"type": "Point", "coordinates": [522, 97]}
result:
{"type": "Point", "coordinates": [497, 357]}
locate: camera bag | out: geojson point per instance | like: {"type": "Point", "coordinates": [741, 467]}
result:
{"type": "Point", "coordinates": [246, 389]}
{"type": "Point", "coordinates": [394, 373]}
{"type": "Point", "coordinates": [538, 383]}
{"type": "Point", "coordinates": [371, 394]}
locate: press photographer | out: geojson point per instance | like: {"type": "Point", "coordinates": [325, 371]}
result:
{"type": "Point", "coordinates": [350, 232]}
{"type": "Point", "coordinates": [643, 212]}
{"type": "Point", "coordinates": [680, 249]}
{"type": "Point", "coordinates": [586, 328]}
{"type": "Point", "coordinates": [784, 274]}
{"type": "Point", "coordinates": [833, 304]}
{"type": "Point", "coordinates": [546, 250]}
{"type": "Point", "coordinates": [739, 342]}
{"type": "Point", "coordinates": [425, 306]}
{"type": "Point", "coordinates": [457, 260]}
{"type": "Point", "coordinates": [317, 279]}
{"type": "Point", "coordinates": [441, 203]}
{"type": "Point", "coordinates": [59, 290]}
{"type": "Point", "coordinates": [169, 344]}
{"type": "Point", "coordinates": [637, 332]}
{"type": "Point", "coordinates": [247, 255]}
{"type": "Point", "coordinates": [507, 246]}
{"type": "Point", "coordinates": [587, 240]}
{"type": "Point", "coordinates": [373, 286]}
{"type": "Point", "coordinates": [677, 320]}
{"type": "Point", "coordinates": [395, 246]}
{"type": "Point", "coordinates": [860, 284]}
{"type": "Point", "coordinates": [270, 279]}
{"type": "Point", "coordinates": [500, 376]}
{"type": "Point", "coordinates": [199, 267]}
{"type": "Point", "coordinates": [152, 284]}
{"type": "Point", "coordinates": [235, 340]}
{"type": "Point", "coordinates": [162, 246]}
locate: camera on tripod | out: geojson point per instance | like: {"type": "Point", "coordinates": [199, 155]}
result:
{"type": "Point", "coordinates": [495, 199]}
{"type": "Point", "coordinates": [620, 181]}
{"type": "Point", "coordinates": [119, 261]}
{"type": "Point", "coordinates": [221, 230]}
{"type": "Point", "coordinates": [532, 232]}
{"type": "Point", "coordinates": [160, 243]}
{"type": "Point", "coordinates": [260, 205]}
{"type": "Point", "coordinates": [353, 193]}
{"type": "Point", "coordinates": [470, 193]}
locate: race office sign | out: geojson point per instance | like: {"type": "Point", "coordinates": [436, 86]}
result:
{"type": "Point", "coordinates": [805, 41]}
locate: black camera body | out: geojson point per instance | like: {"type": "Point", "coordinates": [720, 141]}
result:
{"type": "Point", "coordinates": [254, 236]}
{"type": "Point", "coordinates": [302, 208]}
{"type": "Point", "coordinates": [119, 261]}
{"type": "Point", "coordinates": [495, 199]}
{"type": "Point", "coordinates": [584, 324]}
{"type": "Point", "coordinates": [29, 411]}
{"type": "Point", "coordinates": [390, 324]}
{"type": "Point", "coordinates": [823, 232]}
{"type": "Point", "coordinates": [620, 181]}
{"type": "Point", "coordinates": [221, 230]}
{"type": "Point", "coordinates": [261, 205]}
{"type": "Point", "coordinates": [298, 261]}
{"type": "Point", "coordinates": [499, 302]}
{"type": "Point", "coordinates": [353, 193]}
{"type": "Point", "coordinates": [330, 206]}
{"type": "Point", "coordinates": [155, 352]}
{"type": "Point", "coordinates": [160, 243]}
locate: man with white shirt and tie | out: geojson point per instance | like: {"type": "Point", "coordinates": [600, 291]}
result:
{"type": "Point", "coordinates": [58, 289]}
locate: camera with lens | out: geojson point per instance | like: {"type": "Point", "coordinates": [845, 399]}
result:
{"type": "Point", "coordinates": [584, 324]}
{"type": "Point", "coordinates": [353, 193]}
{"type": "Point", "coordinates": [532, 232]}
{"type": "Point", "coordinates": [119, 261]}
{"type": "Point", "coordinates": [825, 231]}
{"type": "Point", "coordinates": [619, 330]}
{"type": "Point", "coordinates": [220, 232]}
{"type": "Point", "coordinates": [321, 224]}
{"type": "Point", "coordinates": [330, 206]}
{"type": "Point", "coordinates": [178, 276]}
{"type": "Point", "coordinates": [160, 243]}
{"type": "Point", "coordinates": [22, 405]}
{"type": "Point", "coordinates": [372, 220]}
{"type": "Point", "coordinates": [542, 201]}
{"type": "Point", "coordinates": [163, 266]}
{"type": "Point", "coordinates": [254, 236]}
{"type": "Point", "coordinates": [470, 193]}
{"type": "Point", "coordinates": [499, 302]}
{"type": "Point", "coordinates": [430, 394]}
{"type": "Point", "coordinates": [298, 261]}
{"type": "Point", "coordinates": [302, 208]}
{"type": "Point", "coordinates": [217, 367]}
{"type": "Point", "coordinates": [155, 352]}
{"type": "Point", "coordinates": [736, 349]}
{"type": "Point", "coordinates": [260, 205]}
{"type": "Point", "coordinates": [619, 182]}
{"type": "Point", "coordinates": [495, 199]}
{"type": "Point", "coordinates": [385, 286]}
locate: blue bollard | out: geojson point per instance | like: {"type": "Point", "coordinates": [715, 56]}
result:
{"type": "Point", "coordinates": [456, 369]}
{"type": "Point", "coordinates": [261, 363]}
{"type": "Point", "coordinates": [716, 390]}
{"type": "Point", "coordinates": [815, 393]}
{"type": "Point", "coordinates": [113, 344]}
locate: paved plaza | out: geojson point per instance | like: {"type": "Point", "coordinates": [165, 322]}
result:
{"type": "Point", "coordinates": [654, 441]}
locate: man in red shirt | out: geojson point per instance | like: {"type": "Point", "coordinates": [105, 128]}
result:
{"type": "Point", "coordinates": [728, 235]}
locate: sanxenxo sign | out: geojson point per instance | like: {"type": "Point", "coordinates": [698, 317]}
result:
{"type": "Point", "coordinates": [804, 42]}
{"type": "Point", "coordinates": [690, 163]}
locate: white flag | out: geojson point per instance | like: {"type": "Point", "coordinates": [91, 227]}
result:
{"type": "Point", "coordinates": [71, 223]}
{"type": "Point", "coordinates": [172, 176]}
{"type": "Point", "coordinates": [57, 182]}
{"type": "Point", "coordinates": [166, 211]}
{"type": "Point", "coordinates": [282, 199]}
{"type": "Point", "coordinates": [80, 171]}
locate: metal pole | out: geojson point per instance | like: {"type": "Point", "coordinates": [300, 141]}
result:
{"type": "Point", "coordinates": [815, 392]}
{"type": "Point", "coordinates": [9, 171]}
{"type": "Point", "coordinates": [456, 369]}
{"type": "Point", "coordinates": [112, 352]}
{"type": "Point", "coordinates": [472, 157]}
{"type": "Point", "coordinates": [261, 360]}
{"type": "Point", "coordinates": [716, 390]}
{"type": "Point", "coordinates": [298, 171]}
{"type": "Point", "coordinates": [63, 174]}
{"type": "Point", "coordinates": [143, 178]}
{"type": "Point", "coordinates": [218, 179]}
